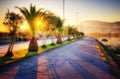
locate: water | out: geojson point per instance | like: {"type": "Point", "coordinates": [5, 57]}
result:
{"type": "Point", "coordinates": [112, 41]}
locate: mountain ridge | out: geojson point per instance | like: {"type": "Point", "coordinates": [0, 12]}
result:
{"type": "Point", "coordinates": [99, 26]}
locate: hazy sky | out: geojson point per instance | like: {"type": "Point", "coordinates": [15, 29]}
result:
{"type": "Point", "coordinates": [104, 10]}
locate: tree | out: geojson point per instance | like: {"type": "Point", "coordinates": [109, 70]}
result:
{"type": "Point", "coordinates": [70, 32]}
{"type": "Point", "coordinates": [12, 21]}
{"type": "Point", "coordinates": [31, 16]}
{"type": "Point", "coordinates": [60, 29]}
{"type": "Point", "coordinates": [44, 29]}
{"type": "Point", "coordinates": [81, 34]}
{"type": "Point", "coordinates": [56, 23]}
{"type": "Point", "coordinates": [76, 33]}
{"type": "Point", "coordinates": [51, 21]}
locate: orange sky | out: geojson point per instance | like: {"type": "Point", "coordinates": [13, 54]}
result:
{"type": "Point", "coordinates": [76, 11]}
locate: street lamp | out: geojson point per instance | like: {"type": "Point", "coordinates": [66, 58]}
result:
{"type": "Point", "coordinates": [63, 9]}
{"type": "Point", "coordinates": [63, 14]}
{"type": "Point", "coordinates": [77, 13]}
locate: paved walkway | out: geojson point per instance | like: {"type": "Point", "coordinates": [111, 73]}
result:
{"type": "Point", "coordinates": [78, 60]}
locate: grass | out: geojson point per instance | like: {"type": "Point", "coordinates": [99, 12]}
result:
{"type": "Point", "coordinates": [49, 46]}
{"type": "Point", "coordinates": [4, 59]}
{"type": "Point", "coordinates": [31, 54]}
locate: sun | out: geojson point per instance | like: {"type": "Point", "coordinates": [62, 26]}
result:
{"type": "Point", "coordinates": [38, 23]}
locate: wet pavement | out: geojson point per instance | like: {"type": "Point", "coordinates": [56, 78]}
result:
{"type": "Point", "coordinates": [78, 60]}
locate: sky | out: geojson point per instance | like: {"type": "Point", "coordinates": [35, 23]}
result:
{"type": "Point", "coordinates": [75, 11]}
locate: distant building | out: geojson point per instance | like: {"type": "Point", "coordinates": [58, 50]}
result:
{"type": "Point", "coordinates": [4, 37]}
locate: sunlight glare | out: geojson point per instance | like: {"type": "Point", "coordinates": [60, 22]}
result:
{"type": "Point", "coordinates": [24, 26]}
{"type": "Point", "coordinates": [38, 23]}
{"type": "Point", "coordinates": [3, 29]}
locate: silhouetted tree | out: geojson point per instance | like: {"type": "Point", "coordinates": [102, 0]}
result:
{"type": "Point", "coordinates": [13, 22]}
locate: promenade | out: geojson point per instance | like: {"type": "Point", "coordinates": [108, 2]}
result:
{"type": "Point", "coordinates": [77, 60]}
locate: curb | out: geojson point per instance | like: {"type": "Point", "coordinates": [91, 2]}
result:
{"type": "Point", "coordinates": [115, 74]}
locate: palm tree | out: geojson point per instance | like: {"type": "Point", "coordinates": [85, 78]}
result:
{"type": "Point", "coordinates": [45, 26]}
{"type": "Point", "coordinates": [44, 29]}
{"type": "Point", "coordinates": [60, 29]}
{"type": "Point", "coordinates": [56, 24]}
{"type": "Point", "coordinates": [52, 32]}
{"type": "Point", "coordinates": [70, 32]}
{"type": "Point", "coordinates": [31, 16]}
{"type": "Point", "coordinates": [51, 19]}
{"type": "Point", "coordinates": [75, 32]}
{"type": "Point", "coordinates": [13, 21]}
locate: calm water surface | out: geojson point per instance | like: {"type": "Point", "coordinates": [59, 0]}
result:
{"type": "Point", "coordinates": [112, 41]}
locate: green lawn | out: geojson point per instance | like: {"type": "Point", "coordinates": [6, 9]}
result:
{"type": "Point", "coordinates": [49, 46]}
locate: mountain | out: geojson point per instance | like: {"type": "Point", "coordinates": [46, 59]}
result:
{"type": "Point", "coordinates": [99, 26]}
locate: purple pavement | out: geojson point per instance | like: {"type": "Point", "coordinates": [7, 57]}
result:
{"type": "Point", "coordinates": [78, 60]}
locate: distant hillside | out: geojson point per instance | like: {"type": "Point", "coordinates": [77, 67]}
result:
{"type": "Point", "coordinates": [99, 26]}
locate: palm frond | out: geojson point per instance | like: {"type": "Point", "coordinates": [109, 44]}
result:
{"type": "Point", "coordinates": [39, 11]}
{"type": "Point", "coordinates": [25, 12]}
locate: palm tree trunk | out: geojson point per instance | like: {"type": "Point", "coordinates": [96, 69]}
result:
{"type": "Point", "coordinates": [44, 39]}
{"type": "Point", "coordinates": [59, 38]}
{"type": "Point", "coordinates": [52, 39]}
{"type": "Point", "coordinates": [33, 46]}
{"type": "Point", "coordinates": [68, 38]}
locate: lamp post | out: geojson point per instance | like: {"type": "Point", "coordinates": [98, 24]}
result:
{"type": "Point", "coordinates": [77, 13]}
{"type": "Point", "coordinates": [63, 9]}
{"type": "Point", "coordinates": [63, 14]}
